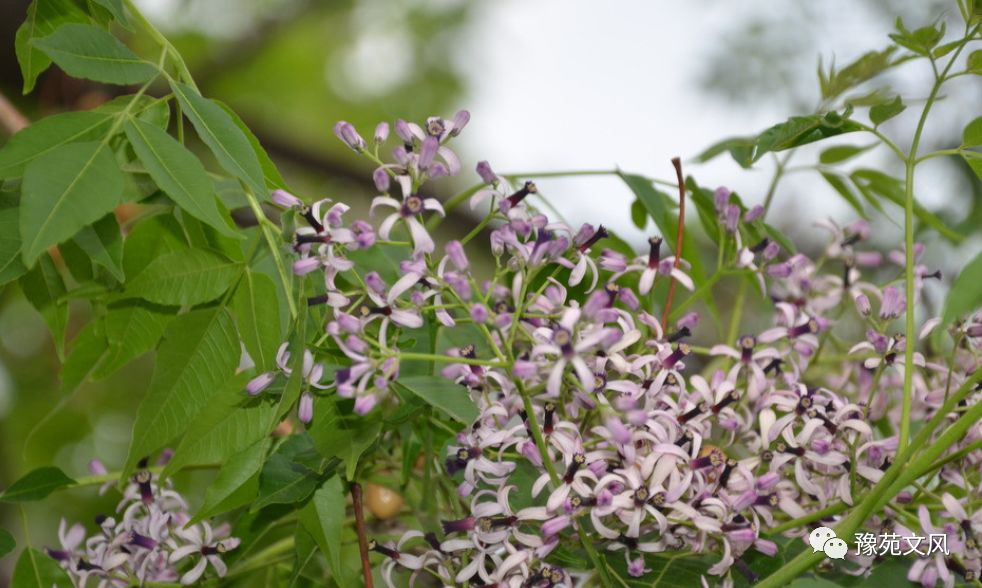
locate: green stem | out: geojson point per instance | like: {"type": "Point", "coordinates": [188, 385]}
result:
{"type": "Point", "coordinates": [940, 153]}
{"type": "Point", "coordinates": [274, 248]}
{"type": "Point", "coordinates": [909, 252]}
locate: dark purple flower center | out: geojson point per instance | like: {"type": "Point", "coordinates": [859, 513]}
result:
{"type": "Point", "coordinates": [411, 206]}
{"type": "Point", "coordinates": [654, 252]}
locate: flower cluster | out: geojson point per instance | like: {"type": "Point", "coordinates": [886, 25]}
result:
{"type": "Point", "coordinates": [149, 538]}
{"type": "Point", "coordinates": [603, 424]}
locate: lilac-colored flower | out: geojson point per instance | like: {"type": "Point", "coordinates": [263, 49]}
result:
{"type": "Point", "coordinates": [346, 132]}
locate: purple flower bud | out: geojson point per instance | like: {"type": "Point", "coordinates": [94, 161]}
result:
{"type": "Point", "coordinates": [96, 468]}
{"type": "Point", "coordinates": [524, 369]}
{"type": "Point", "coordinates": [427, 151]}
{"type": "Point", "coordinates": [305, 410]}
{"type": "Point", "coordinates": [635, 568]}
{"type": "Point", "coordinates": [374, 281]}
{"type": "Point", "coordinates": [165, 456]}
{"type": "Point", "coordinates": [868, 258]}
{"type": "Point", "coordinates": [347, 133]}
{"type": "Point", "coordinates": [768, 480]}
{"type": "Point", "coordinates": [863, 305]}
{"type": "Point", "coordinates": [479, 313]}
{"type": "Point", "coordinates": [689, 320]}
{"type": "Point", "coordinates": [779, 270]}
{"type": "Point", "coordinates": [364, 234]}
{"type": "Point", "coordinates": [732, 217]}
{"type": "Point", "coordinates": [381, 178]}
{"type": "Point", "coordinates": [880, 341]}
{"type": "Point", "coordinates": [455, 251]}
{"type": "Point", "coordinates": [381, 132]}
{"type": "Point", "coordinates": [260, 383]}
{"type": "Point", "coordinates": [627, 297]}
{"type": "Point", "coordinates": [365, 404]}
{"type": "Point", "coordinates": [460, 121]}
{"type": "Point", "coordinates": [771, 251]}
{"type": "Point", "coordinates": [618, 432]}
{"type": "Point", "coordinates": [285, 199]}
{"type": "Point", "coordinates": [484, 170]}
{"type": "Point", "coordinates": [974, 331]}
{"type": "Point", "coordinates": [753, 214]}
{"type": "Point", "coordinates": [404, 132]}
{"type": "Point", "coordinates": [555, 525]}
{"type": "Point", "coordinates": [893, 304]}
{"type": "Point", "coordinates": [721, 197]}
{"type": "Point", "coordinates": [531, 453]}
{"type": "Point", "coordinates": [304, 266]}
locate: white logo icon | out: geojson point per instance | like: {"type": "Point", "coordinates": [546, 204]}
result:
{"type": "Point", "coordinates": [824, 539]}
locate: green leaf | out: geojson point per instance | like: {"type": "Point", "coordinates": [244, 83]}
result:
{"type": "Point", "coordinates": [839, 185]}
{"type": "Point", "coordinates": [44, 288]}
{"type": "Point", "coordinates": [741, 149]}
{"type": "Point", "coordinates": [289, 476]}
{"type": "Point", "coordinates": [974, 62]}
{"type": "Point", "coordinates": [103, 243]}
{"type": "Point", "coordinates": [862, 69]}
{"type": "Point", "coordinates": [36, 570]}
{"type": "Point", "coordinates": [893, 190]}
{"type": "Point", "coordinates": [270, 171]}
{"type": "Point", "coordinates": [841, 153]}
{"type": "Point", "coordinates": [47, 134]}
{"type": "Point", "coordinates": [446, 395]}
{"type": "Point", "coordinates": [11, 264]}
{"type": "Point", "coordinates": [220, 133]}
{"type": "Point", "coordinates": [199, 353]}
{"type": "Point", "coordinates": [7, 543]}
{"type": "Point", "coordinates": [178, 173]}
{"type": "Point", "coordinates": [885, 111]}
{"type": "Point", "coordinates": [237, 482]}
{"type": "Point", "coordinates": [184, 278]}
{"type": "Point", "coordinates": [975, 163]}
{"type": "Point", "coordinates": [86, 51]}
{"type": "Point", "coordinates": [36, 485]}
{"type": "Point", "coordinates": [323, 517]}
{"type": "Point", "coordinates": [257, 314]}
{"type": "Point", "coordinates": [227, 425]}
{"type": "Point", "coordinates": [88, 351]}
{"type": "Point", "coordinates": [149, 239]}
{"type": "Point", "coordinates": [132, 329]}
{"type": "Point", "coordinates": [965, 295]}
{"type": "Point", "coordinates": [43, 17]}
{"type": "Point", "coordinates": [65, 189]}
{"type": "Point", "coordinates": [115, 7]}
{"type": "Point", "coordinates": [972, 135]}
{"type": "Point", "coordinates": [306, 548]}
{"type": "Point", "coordinates": [801, 130]}
{"type": "Point", "coordinates": [639, 216]}
{"type": "Point", "coordinates": [920, 41]}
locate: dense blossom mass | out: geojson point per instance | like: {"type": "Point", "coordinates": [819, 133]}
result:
{"type": "Point", "coordinates": [149, 538]}
{"type": "Point", "coordinates": [600, 421]}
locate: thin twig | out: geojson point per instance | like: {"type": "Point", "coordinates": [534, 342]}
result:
{"type": "Point", "coordinates": [366, 566]}
{"type": "Point", "coordinates": [678, 242]}
{"type": "Point", "coordinates": [10, 118]}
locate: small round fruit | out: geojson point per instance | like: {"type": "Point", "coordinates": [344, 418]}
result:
{"type": "Point", "coordinates": [382, 502]}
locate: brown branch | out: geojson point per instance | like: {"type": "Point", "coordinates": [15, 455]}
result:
{"type": "Point", "coordinates": [11, 119]}
{"type": "Point", "coordinates": [366, 566]}
{"type": "Point", "coordinates": [678, 242]}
